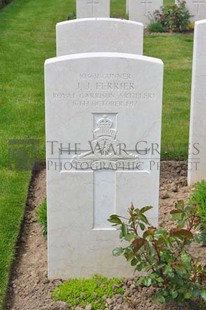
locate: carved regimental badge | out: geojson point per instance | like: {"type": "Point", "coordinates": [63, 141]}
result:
{"type": "Point", "coordinates": [106, 151]}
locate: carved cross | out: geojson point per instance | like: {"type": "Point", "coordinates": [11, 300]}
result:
{"type": "Point", "coordinates": [146, 4]}
{"type": "Point", "coordinates": [103, 159]}
{"type": "Point", "coordinates": [198, 4]}
{"type": "Point", "coordinates": [92, 3]}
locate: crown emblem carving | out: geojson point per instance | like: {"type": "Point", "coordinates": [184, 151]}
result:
{"type": "Point", "coordinates": [105, 150]}
{"type": "Point", "coordinates": [104, 128]}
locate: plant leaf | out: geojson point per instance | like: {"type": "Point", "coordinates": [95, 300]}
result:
{"type": "Point", "coordinates": [203, 295]}
{"type": "Point", "coordinates": [181, 233]}
{"type": "Point", "coordinates": [142, 226]}
{"type": "Point", "coordinates": [176, 211]}
{"type": "Point", "coordinates": [137, 244]}
{"type": "Point", "coordinates": [158, 298]}
{"type": "Point", "coordinates": [146, 208]}
{"type": "Point", "coordinates": [144, 219]}
{"type": "Point", "coordinates": [147, 281]}
{"type": "Point", "coordinates": [124, 230]}
{"type": "Point", "coordinates": [129, 237]}
{"type": "Point", "coordinates": [117, 251]}
{"type": "Point", "coordinates": [180, 205]}
{"type": "Point", "coordinates": [114, 219]}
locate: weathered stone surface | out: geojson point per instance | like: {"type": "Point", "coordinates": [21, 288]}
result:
{"type": "Point", "coordinates": [197, 143]}
{"type": "Point", "coordinates": [142, 10]}
{"type": "Point", "coordinates": [103, 125]}
{"type": "Point", "coordinates": [92, 8]}
{"type": "Point", "coordinates": [197, 9]}
{"type": "Point", "coordinates": [99, 35]}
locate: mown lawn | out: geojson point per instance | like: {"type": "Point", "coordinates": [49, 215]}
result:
{"type": "Point", "coordinates": [27, 38]}
{"type": "Point", "coordinates": [176, 52]}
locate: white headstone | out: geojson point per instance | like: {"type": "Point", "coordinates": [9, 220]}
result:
{"type": "Point", "coordinates": [197, 143]}
{"type": "Point", "coordinates": [99, 35]}
{"type": "Point", "coordinates": [103, 126]}
{"type": "Point", "coordinates": [142, 10]}
{"type": "Point", "coordinates": [197, 9]}
{"type": "Point", "coordinates": [92, 8]}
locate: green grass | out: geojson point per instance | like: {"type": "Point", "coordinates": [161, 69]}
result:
{"type": "Point", "coordinates": [118, 8]}
{"type": "Point", "coordinates": [27, 38]}
{"type": "Point", "coordinates": [13, 192]}
{"type": "Point", "coordinates": [42, 217]}
{"type": "Point", "coordinates": [199, 197]}
{"type": "Point", "coordinates": [82, 292]}
{"type": "Point", "coordinates": [176, 52]}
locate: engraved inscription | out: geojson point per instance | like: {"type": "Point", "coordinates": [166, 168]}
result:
{"type": "Point", "coordinates": [105, 90]}
{"type": "Point", "coordinates": [92, 2]}
{"type": "Point", "coordinates": [123, 76]}
{"type": "Point", "coordinates": [106, 86]}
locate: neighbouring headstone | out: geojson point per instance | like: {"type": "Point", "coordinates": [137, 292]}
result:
{"type": "Point", "coordinates": [197, 143]}
{"type": "Point", "coordinates": [142, 10]}
{"type": "Point", "coordinates": [103, 127]}
{"type": "Point", "coordinates": [92, 8]}
{"type": "Point", "coordinates": [99, 35]}
{"type": "Point", "coordinates": [197, 9]}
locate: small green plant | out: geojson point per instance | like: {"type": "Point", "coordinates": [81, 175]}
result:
{"type": "Point", "coordinates": [42, 216]}
{"type": "Point", "coordinates": [172, 18]}
{"type": "Point", "coordinates": [199, 198]}
{"type": "Point", "coordinates": [155, 26]}
{"type": "Point", "coordinates": [81, 292]}
{"type": "Point", "coordinates": [163, 254]}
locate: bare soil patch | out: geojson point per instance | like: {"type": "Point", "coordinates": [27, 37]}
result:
{"type": "Point", "coordinates": [30, 288]}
